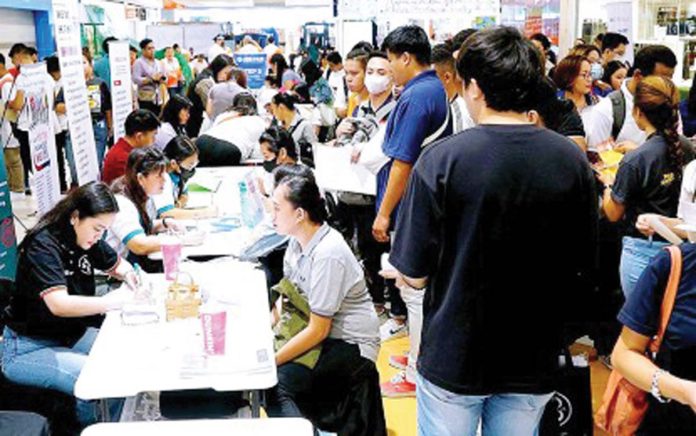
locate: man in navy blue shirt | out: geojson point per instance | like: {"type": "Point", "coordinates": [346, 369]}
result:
{"type": "Point", "coordinates": [480, 226]}
{"type": "Point", "coordinates": [420, 117]}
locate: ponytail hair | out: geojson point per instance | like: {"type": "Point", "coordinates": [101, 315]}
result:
{"type": "Point", "coordinates": [141, 161]}
{"type": "Point", "coordinates": [657, 98]}
{"type": "Point", "coordinates": [303, 192]}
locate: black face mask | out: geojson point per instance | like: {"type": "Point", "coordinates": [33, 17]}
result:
{"type": "Point", "coordinates": [186, 174]}
{"type": "Point", "coordinates": [269, 165]}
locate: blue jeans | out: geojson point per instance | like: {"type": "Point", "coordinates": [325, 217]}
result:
{"type": "Point", "coordinates": [443, 413]}
{"type": "Point", "coordinates": [635, 257]}
{"type": "Point", "coordinates": [44, 363]}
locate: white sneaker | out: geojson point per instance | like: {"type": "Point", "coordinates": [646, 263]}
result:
{"type": "Point", "coordinates": [392, 330]}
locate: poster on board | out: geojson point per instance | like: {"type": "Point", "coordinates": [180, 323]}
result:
{"type": "Point", "coordinates": [254, 65]}
{"type": "Point", "coordinates": [121, 88]}
{"type": "Point", "coordinates": [67, 27]}
{"type": "Point", "coordinates": [38, 110]}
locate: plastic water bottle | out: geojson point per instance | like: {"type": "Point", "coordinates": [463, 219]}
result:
{"type": "Point", "coordinates": [248, 218]}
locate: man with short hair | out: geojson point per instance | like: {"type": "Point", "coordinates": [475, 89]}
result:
{"type": "Point", "coordinates": [420, 117]}
{"type": "Point", "coordinates": [336, 76]}
{"type": "Point", "coordinates": [148, 75]}
{"type": "Point", "coordinates": [613, 47]}
{"type": "Point", "coordinates": [218, 47]}
{"type": "Point", "coordinates": [443, 63]}
{"type": "Point", "coordinates": [271, 48]}
{"type": "Point", "coordinates": [141, 128]}
{"type": "Point", "coordinates": [483, 210]}
{"type": "Point", "coordinates": [611, 119]}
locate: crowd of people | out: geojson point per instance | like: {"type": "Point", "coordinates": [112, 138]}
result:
{"type": "Point", "coordinates": [521, 201]}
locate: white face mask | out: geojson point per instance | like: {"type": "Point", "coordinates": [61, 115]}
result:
{"type": "Point", "coordinates": [377, 84]}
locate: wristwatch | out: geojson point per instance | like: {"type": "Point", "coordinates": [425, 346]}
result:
{"type": "Point", "coordinates": [655, 388]}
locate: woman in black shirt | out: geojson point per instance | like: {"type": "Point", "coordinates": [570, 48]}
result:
{"type": "Point", "coordinates": [53, 308]}
{"type": "Point", "coordinates": [649, 178]}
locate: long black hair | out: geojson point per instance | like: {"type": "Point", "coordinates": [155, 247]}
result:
{"type": "Point", "coordinates": [180, 148]}
{"type": "Point", "coordinates": [88, 201]}
{"type": "Point", "coordinates": [141, 161]}
{"type": "Point", "coordinates": [278, 60]}
{"type": "Point", "coordinates": [170, 112]}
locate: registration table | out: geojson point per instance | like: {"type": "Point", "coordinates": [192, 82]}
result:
{"type": "Point", "coordinates": [224, 235]}
{"type": "Point", "coordinates": [237, 427]}
{"type": "Point", "coordinates": [157, 355]}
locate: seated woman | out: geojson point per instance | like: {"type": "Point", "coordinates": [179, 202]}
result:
{"type": "Point", "coordinates": [672, 375]}
{"type": "Point", "coordinates": [182, 155]}
{"type": "Point", "coordinates": [234, 137]}
{"type": "Point", "coordinates": [277, 148]}
{"type": "Point", "coordinates": [53, 312]}
{"type": "Point", "coordinates": [342, 320]}
{"type": "Point", "coordinates": [133, 233]}
{"type": "Point", "coordinates": [175, 116]}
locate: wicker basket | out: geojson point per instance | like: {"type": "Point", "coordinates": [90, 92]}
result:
{"type": "Point", "coordinates": [183, 300]}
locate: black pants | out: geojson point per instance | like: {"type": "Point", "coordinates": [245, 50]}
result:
{"type": "Point", "coordinates": [317, 393]}
{"type": "Point", "coordinates": [357, 220]}
{"type": "Point", "coordinates": [213, 152]}
{"type": "Point", "coordinates": [60, 155]}
{"type": "Point", "coordinates": [151, 106]}
{"type": "Point", "coordinates": [24, 151]}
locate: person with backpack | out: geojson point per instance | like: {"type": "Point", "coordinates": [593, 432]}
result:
{"type": "Point", "coordinates": [284, 110]}
{"type": "Point", "coordinates": [649, 178]}
{"type": "Point", "coordinates": [611, 122]}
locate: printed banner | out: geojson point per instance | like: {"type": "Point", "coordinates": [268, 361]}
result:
{"type": "Point", "coordinates": [254, 65]}
{"type": "Point", "coordinates": [121, 86]}
{"type": "Point", "coordinates": [8, 241]}
{"type": "Point", "coordinates": [66, 21]}
{"type": "Point", "coordinates": [38, 107]}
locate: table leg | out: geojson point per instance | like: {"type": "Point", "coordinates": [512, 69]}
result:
{"type": "Point", "coordinates": [255, 399]}
{"type": "Point", "coordinates": [104, 409]}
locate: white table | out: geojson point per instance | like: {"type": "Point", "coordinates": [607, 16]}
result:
{"type": "Point", "coordinates": [237, 427]}
{"type": "Point", "coordinates": [166, 356]}
{"type": "Point", "coordinates": [225, 183]}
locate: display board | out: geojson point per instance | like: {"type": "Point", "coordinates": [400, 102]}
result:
{"type": "Point", "coordinates": [8, 240]}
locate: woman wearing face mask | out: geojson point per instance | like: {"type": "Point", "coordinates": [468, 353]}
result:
{"type": "Point", "coordinates": [133, 232]}
{"type": "Point", "coordinates": [53, 310]}
{"type": "Point", "coordinates": [175, 116]}
{"type": "Point", "coordinates": [182, 155]}
{"type": "Point", "coordinates": [301, 130]}
{"type": "Point", "coordinates": [278, 148]}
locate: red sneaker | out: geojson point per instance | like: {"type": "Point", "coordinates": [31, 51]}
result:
{"type": "Point", "coordinates": [398, 387]}
{"type": "Point", "coordinates": [398, 362]}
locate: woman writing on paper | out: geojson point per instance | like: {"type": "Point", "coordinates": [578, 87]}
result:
{"type": "Point", "coordinates": [133, 233]}
{"type": "Point", "coordinates": [182, 156]}
{"type": "Point", "coordinates": [53, 312]}
{"type": "Point", "coordinates": [649, 177]}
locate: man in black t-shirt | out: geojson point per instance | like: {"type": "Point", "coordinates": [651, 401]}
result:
{"type": "Point", "coordinates": [499, 222]}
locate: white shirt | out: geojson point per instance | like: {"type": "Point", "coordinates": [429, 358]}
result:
{"type": "Point", "coordinates": [214, 51]}
{"type": "Point", "coordinates": [127, 224]}
{"type": "Point", "coordinates": [165, 134]}
{"type": "Point", "coordinates": [6, 136]}
{"type": "Point", "coordinates": [687, 197]}
{"type": "Point", "coordinates": [270, 50]}
{"type": "Point", "coordinates": [338, 86]}
{"type": "Point", "coordinates": [460, 115]}
{"type": "Point", "coordinates": [243, 132]}
{"type": "Point", "coordinates": [165, 201]}
{"type": "Point", "coordinates": [62, 118]}
{"type": "Point", "coordinates": [197, 66]}
{"type": "Point", "coordinates": [49, 87]}
{"type": "Point", "coordinates": [599, 123]}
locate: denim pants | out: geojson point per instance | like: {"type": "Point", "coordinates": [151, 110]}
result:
{"type": "Point", "coordinates": [44, 363]}
{"type": "Point", "coordinates": [443, 413]}
{"type": "Point", "coordinates": [635, 257]}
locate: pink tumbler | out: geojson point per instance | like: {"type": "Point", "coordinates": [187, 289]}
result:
{"type": "Point", "coordinates": [171, 255]}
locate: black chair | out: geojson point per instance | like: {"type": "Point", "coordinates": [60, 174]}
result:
{"type": "Point", "coordinates": [23, 424]}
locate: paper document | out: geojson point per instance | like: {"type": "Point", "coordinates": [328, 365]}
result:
{"type": "Point", "coordinates": [334, 171]}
